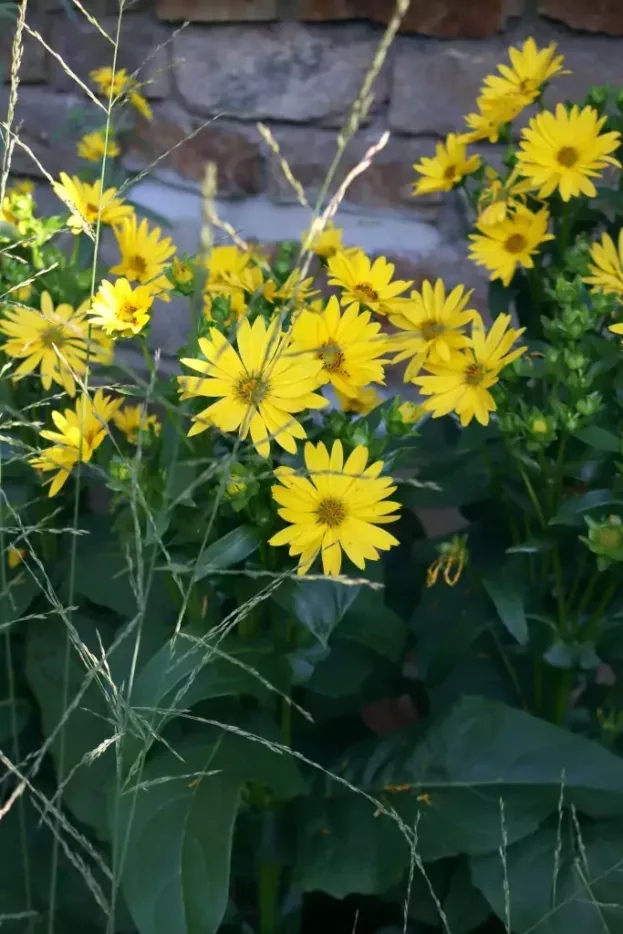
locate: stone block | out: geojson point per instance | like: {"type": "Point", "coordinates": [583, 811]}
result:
{"type": "Point", "coordinates": [285, 71]}
{"type": "Point", "coordinates": [386, 184]}
{"type": "Point", "coordinates": [33, 68]}
{"type": "Point", "coordinates": [238, 158]}
{"type": "Point", "coordinates": [143, 46]}
{"type": "Point", "coordinates": [591, 60]}
{"type": "Point", "coordinates": [42, 118]}
{"type": "Point", "coordinates": [447, 18]}
{"type": "Point", "coordinates": [603, 16]}
{"type": "Point", "coordinates": [217, 11]}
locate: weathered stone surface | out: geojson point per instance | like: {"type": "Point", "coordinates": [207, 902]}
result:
{"type": "Point", "coordinates": [33, 68]}
{"type": "Point", "coordinates": [285, 71]}
{"type": "Point", "coordinates": [42, 119]}
{"type": "Point", "coordinates": [448, 18]}
{"type": "Point", "coordinates": [591, 15]}
{"type": "Point", "coordinates": [143, 46]}
{"type": "Point", "coordinates": [217, 11]}
{"type": "Point", "coordinates": [591, 60]}
{"type": "Point", "coordinates": [387, 183]}
{"type": "Point", "coordinates": [238, 158]}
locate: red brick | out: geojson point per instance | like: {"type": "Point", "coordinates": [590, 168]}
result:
{"type": "Point", "coordinates": [447, 18]}
{"type": "Point", "coordinates": [590, 15]}
{"type": "Point", "coordinates": [217, 11]}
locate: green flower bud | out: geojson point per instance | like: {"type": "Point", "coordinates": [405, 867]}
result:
{"type": "Point", "coordinates": [590, 405]}
{"type": "Point", "coordinates": [565, 291]}
{"type": "Point", "coordinates": [598, 95]}
{"type": "Point", "coordinates": [574, 359]}
{"type": "Point", "coordinates": [605, 539]}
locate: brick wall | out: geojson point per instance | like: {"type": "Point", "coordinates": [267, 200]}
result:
{"type": "Point", "coordinates": [297, 65]}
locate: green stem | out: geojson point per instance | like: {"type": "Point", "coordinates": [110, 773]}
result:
{"type": "Point", "coordinates": [595, 617]}
{"type": "Point", "coordinates": [536, 296]}
{"type": "Point", "coordinates": [268, 878]}
{"type": "Point", "coordinates": [565, 229]}
{"type": "Point", "coordinates": [73, 261]}
{"type": "Point", "coordinates": [533, 497]}
{"type": "Point", "coordinates": [560, 592]}
{"type": "Point", "coordinates": [561, 698]}
{"type": "Point", "coordinates": [538, 685]}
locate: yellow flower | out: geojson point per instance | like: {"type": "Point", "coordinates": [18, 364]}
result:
{"type": "Point", "coordinates": [15, 556]}
{"type": "Point", "coordinates": [23, 187]}
{"type": "Point", "coordinates": [105, 80]}
{"type": "Point", "coordinates": [529, 70]}
{"type": "Point", "coordinates": [295, 290]}
{"type": "Point", "coordinates": [500, 198]}
{"type": "Point", "coordinates": [349, 346]}
{"type": "Point", "coordinates": [226, 261]}
{"type": "Point", "coordinates": [121, 310]}
{"type": "Point", "coordinates": [462, 383]}
{"type": "Point", "coordinates": [411, 412]}
{"type": "Point", "coordinates": [452, 558]}
{"type": "Point", "coordinates": [340, 507]}
{"type": "Point", "coordinates": [447, 168]}
{"type": "Point", "coordinates": [563, 151]}
{"type": "Point", "coordinates": [80, 431]}
{"type": "Point", "coordinates": [181, 273]}
{"type": "Point", "coordinates": [22, 293]}
{"type": "Point", "coordinates": [86, 202]}
{"type": "Point", "coordinates": [492, 115]}
{"type": "Point", "coordinates": [93, 146]}
{"type": "Point", "coordinates": [502, 247]}
{"type": "Point", "coordinates": [433, 324]}
{"type": "Point", "coordinates": [230, 275]}
{"type": "Point", "coordinates": [140, 104]}
{"type": "Point", "coordinates": [261, 386]}
{"type": "Point", "coordinates": [366, 400]}
{"type": "Point", "coordinates": [133, 420]}
{"type": "Point", "coordinates": [144, 256]}
{"type": "Point", "coordinates": [326, 243]}
{"type": "Point", "coordinates": [56, 341]}
{"type": "Point", "coordinates": [366, 283]}
{"type": "Point", "coordinates": [607, 265]}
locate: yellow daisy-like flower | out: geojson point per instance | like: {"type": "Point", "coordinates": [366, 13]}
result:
{"type": "Point", "coordinates": [565, 150]}
{"type": "Point", "coordinates": [15, 556]}
{"type": "Point", "coordinates": [502, 247]}
{"type": "Point", "coordinates": [139, 102]}
{"type": "Point", "coordinates": [144, 256]}
{"type": "Point", "coordinates": [529, 70]}
{"type": "Point", "coordinates": [500, 198]}
{"type": "Point", "coordinates": [340, 507]}
{"type": "Point", "coordinates": [261, 386]}
{"type": "Point", "coordinates": [366, 400]}
{"type": "Point", "coordinates": [447, 168]}
{"type": "Point", "coordinates": [55, 341]}
{"type": "Point", "coordinates": [86, 202]}
{"type": "Point", "coordinates": [433, 326]}
{"type": "Point", "coordinates": [237, 287]}
{"type": "Point", "coordinates": [295, 290]}
{"type": "Point", "coordinates": [120, 310]}
{"type": "Point", "coordinates": [461, 384]}
{"type": "Point", "coordinates": [607, 265]}
{"type": "Point", "coordinates": [106, 80]}
{"type": "Point", "coordinates": [94, 146]}
{"type": "Point", "coordinates": [326, 243]}
{"type": "Point", "coordinates": [24, 187]}
{"type": "Point", "coordinates": [364, 283]}
{"type": "Point", "coordinates": [80, 431]}
{"type": "Point", "coordinates": [134, 420]}
{"type": "Point", "coordinates": [350, 346]}
{"type": "Point", "coordinates": [493, 114]}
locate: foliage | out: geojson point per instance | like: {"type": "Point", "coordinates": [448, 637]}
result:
{"type": "Point", "coordinates": [202, 728]}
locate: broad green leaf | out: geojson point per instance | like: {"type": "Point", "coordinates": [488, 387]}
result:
{"type": "Point", "coordinates": [600, 439]}
{"type": "Point", "coordinates": [317, 604]}
{"type": "Point", "coordinates": [558, 883]}
{"type": "Point", "coordinates": [371, 623]}
{"type": "Point", "coordinates": [574, 508]}
{"type": "Point", "coordinates": [17, 712]}
{"type": "Point", "coordinates": [342, 672]}
{"type": "Point", "coordinates": [465, 907]}
{"type": "Point", "coordinates": [344, 848]}
{"type": "Point", "coordinates": [480, 752]}
{"type": "Point", "coordinates": [229, 550]}
{"type": "Point", "coordinates": [446, 622]}
{"type": "Point", "coordinates": [505, 588]}
{"type": "Point", "coordinates": [181, 819]}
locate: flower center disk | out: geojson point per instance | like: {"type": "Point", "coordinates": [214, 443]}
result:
{"type": "Point", "coordinates": [331, 512]}
{"type": "Point", "coordinates": [516, 243]}
{"type": "Point", "coordinates": [138, 265]}
{"type": "Point", "coordinates": [251, 389]}
{"type": "Point", "coordinates": [431, 329]}
{"type": "Point", "coordinates": [567, 156]}
{"type": "Point", "coordinates": [474, 374]}
{"type": "Point", "coordinates": [365, 292]}
{"type": "Point", "coordinates": [332, 357]}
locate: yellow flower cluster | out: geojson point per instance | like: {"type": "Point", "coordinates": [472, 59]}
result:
{"type": "Point", "coordinates": [114, 84]}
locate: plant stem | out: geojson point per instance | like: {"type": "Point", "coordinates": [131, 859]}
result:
{"type": "Point", "coordinates": [533, 497]}
{"type": "Point", "coordinates": [565, 229]}
{"type": "Point", "coordinates": [560, 593]}
{"type": "Point", "coordinates": [268, 879]}
{"type": "Point", "coordinates": [595, 617]}
{"type": "Point", "coordinates": [561, 699]}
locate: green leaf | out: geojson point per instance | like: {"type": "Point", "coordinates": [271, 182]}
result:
{"type": "Point", "coordinates": [480, 752]}
{"type": "Point", "coordinates": [371, 623]}
{"type": "Point", "coordinates": [506, 591]}
{"type": "Point", "coordinates": [317, 604]}
{"type": "Point", "coordinates": [574, 508]}
{"type": "Point", "coordinates": [231, 549]}
{"type": "Point", "coordinates": [558, 883]}
{"type": "Point", "coordinates": [465, 907]}
{"type": "Point", "coordinates": [446, 622]}
{"type": "Point", "coordinates": [500, 297]}
{"type": "Point", "coordinates": [176, 873]}
{"type": "Point", "coordinates": [19, 710]}
{"type": "Point", "coordinates": [600, 439]}
{"type": "Point", "coordinates": [344, 848]}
